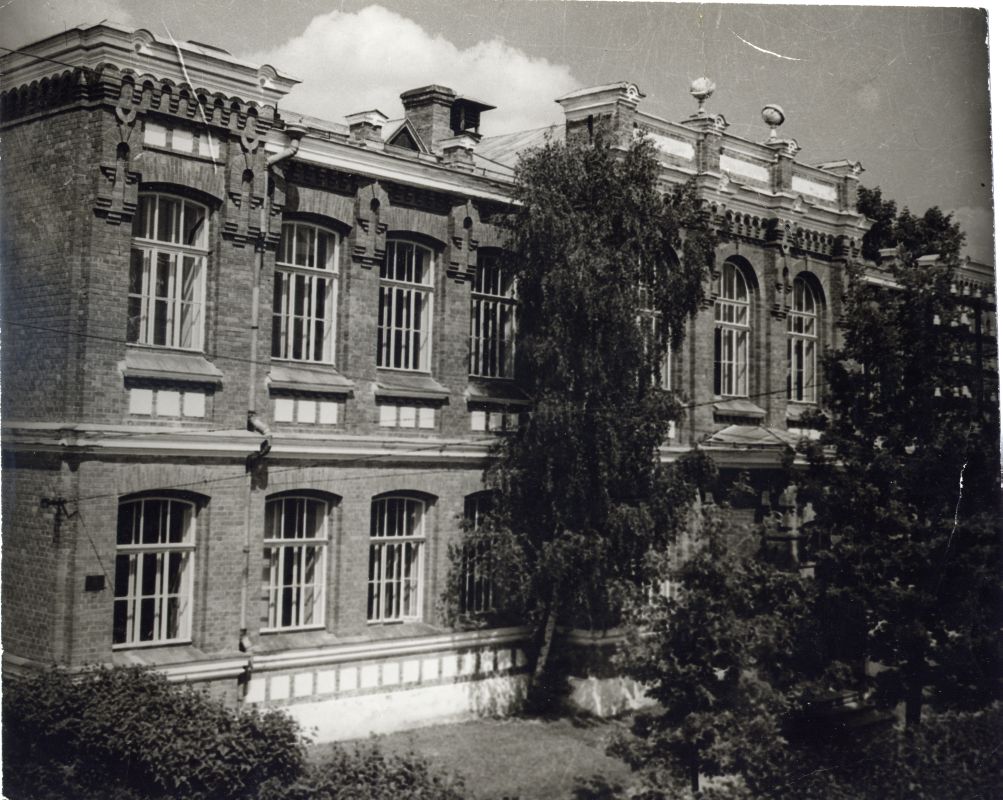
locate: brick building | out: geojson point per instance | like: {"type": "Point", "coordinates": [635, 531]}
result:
{"type": "Point", "coordinates": [253, 362]}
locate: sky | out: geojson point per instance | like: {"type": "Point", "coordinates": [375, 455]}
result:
{"type": "Point", "coordinates": [903, 90]}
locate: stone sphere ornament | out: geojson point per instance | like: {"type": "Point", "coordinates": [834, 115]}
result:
{"type": "Point", "coordinates": [701, 89]}
{"type": "Point", "coordinates": [773, 115]}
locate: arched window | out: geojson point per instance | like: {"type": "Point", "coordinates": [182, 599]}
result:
{"type": "Point", "coordinates": [396, 559]}
{"type": "Point", "coordinates": [295, 561]}
{"type": "Point", "coordinates": [155, 542]}
{"type": "Point", "coordinates": [802, 343]}
{"type": "Point", "coordinates": [306, 294]}
{"type": "Point", "coordinates": [167, 272]}
{"type": "Point", "coordinates": [731, 334]}
{"type": "Point", "coordinates": [492, 320]}
{"type": "Point", "coordinates": [476, 584]}
{"type": "Point", "coordinates": [403, 339]}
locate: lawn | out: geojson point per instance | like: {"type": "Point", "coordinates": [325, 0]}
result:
{"type": "Point", "coordinates": [516, 758]}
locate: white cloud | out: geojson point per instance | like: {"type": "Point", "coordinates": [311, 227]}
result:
{"type": "Point", "coordinates": [355, 62]}
{"type": "Point", "coordinates": [24, 21]}
{"type": "Point", "coordinates": [977, 223]}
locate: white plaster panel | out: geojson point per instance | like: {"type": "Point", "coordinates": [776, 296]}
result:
{"type": "Point", "coordinates": [391, 673]}
{"type": "Point", "coordinates": [328, 411]}
{"type": "Point", "coordinates": [520, 657]}
{"type": "Point", "coordinates": [348, 679]}
{"type": "Point", "coordinates": [449, 665]}
{"type": "Point", "coordinates": [278, 687]}
{"type": "Point", "coordinates": [468, 663]}
{"type": "Point", "coordinates": [504, 659]}
{"type": "Point", "coordinates": [369, 676]}
{"type": "Point", "coordinates": [487, 660]}
{"type": "Point", "coordinates": [303, 684]}
{"type": "Point", "coordinates": [194, 404]}
{"type": "Point", "coordinates": [284, 408]}
{"type": "Point", "coordinates": [813, 188]}
{"type": "Point", "coordinates": [326, 681]}
{"type": "Point", "coordinates": [412, 670]}
{"type": "Point", "coordinates": [141, 401]}
{"type": "Point", "coordinates": [168, 403]}
{"type": "Point", "coordinates": [738, 166]}
{"type": "Point", "coordinates": [672, 147]}
{"type": "Point", "coordinates": [255, 690]}
{"type": "Point", "coordinates": [430, 669]}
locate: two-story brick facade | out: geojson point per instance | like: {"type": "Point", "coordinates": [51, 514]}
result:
{"type": "Point", "coordinates": [254, 361]}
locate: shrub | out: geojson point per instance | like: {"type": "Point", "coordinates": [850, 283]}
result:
{"type": "Point", "coordinates": [129, 733]}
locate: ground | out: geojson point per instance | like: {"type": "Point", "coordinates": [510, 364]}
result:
{"type": "Point", "coordinates": [517, 758]}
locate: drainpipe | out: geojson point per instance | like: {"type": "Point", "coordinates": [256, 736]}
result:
{"type": "Point", "coordinates": [254, 422]}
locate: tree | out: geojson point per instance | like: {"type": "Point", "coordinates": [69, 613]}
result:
{"type": "Point", "coordinates": [717, 658]}
{"type": "Point", "coordinates": [906, 480]}
{"type": "Point", "coordinates": [581, 499]}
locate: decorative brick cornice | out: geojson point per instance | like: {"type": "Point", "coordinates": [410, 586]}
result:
{"type": "Point", "coordinates": [369, 235]}
{"type": "Point", "coordinates": [464, 236]}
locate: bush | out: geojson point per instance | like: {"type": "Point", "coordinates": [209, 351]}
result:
{"type": "Point", "coordinates": [129, 734]}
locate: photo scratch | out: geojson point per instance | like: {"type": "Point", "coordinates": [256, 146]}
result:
{"type": "Point", "coordinates": [764, 50]}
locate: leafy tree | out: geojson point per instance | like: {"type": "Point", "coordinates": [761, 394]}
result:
{"type": "Point", "coordinates": [906, 480]}
{"type": "Point", "coordinates": [581, 497]}
{"type": "Point", "coordinates": [726, 660]}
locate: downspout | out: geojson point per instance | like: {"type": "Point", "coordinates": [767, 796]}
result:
{"type": "Point", "coordinates": [254, 422]}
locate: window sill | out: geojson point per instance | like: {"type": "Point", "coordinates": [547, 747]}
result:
{"type": "Point", "coordinates": [495, 392]}
{"type": "Point", "coordinates": [169, 365]}
{"type": "Point", "coordinates": [401, 385]}
{"type": "Point", "coordinates": [303, 377]}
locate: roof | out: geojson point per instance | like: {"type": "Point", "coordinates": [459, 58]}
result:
{"type": "Point", "coordinates": [506, 149]}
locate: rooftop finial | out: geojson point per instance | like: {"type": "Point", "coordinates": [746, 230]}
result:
{"type": "Point", "coordinates": [701, 89]}
{"type": "Point", "coordinates": [773, 115]}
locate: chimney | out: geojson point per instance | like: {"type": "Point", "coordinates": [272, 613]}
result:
{"type": "Point", "coordinates": [429, 109]}
{"type": "Point", "coordinates": [459, 150]}
{"type": "Point", "coordinates": [438, 114]}
{"type": "Point", "coordinates": [366, 126]}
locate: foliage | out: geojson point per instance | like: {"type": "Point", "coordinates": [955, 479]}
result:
{"type": "Point", "coordinates": [129, 734]}
{"type": "Point", "coordinates": [906, 483]}
{"type": "Point", "coordinates": [933, 233]}
{"type": "Point", "coordinates": [950, 756]}
{"type": "Point", "coordinates": [592, 243]}
{"type": "Point", "coordinates": [366, 772]}
{"type": "Point", "coordinates": [726, 661]}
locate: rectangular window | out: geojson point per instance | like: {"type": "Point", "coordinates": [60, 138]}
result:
{"type": "Point", "coordinates": [403, 339]}
{"type": "Point", "coordinates": [153, 573]}
{"type": "Point", "coordinates": [167, 273]}
{"type": "Point", "coordinates": [305, 294]}
{"type": "Point", "coordinates": [396, 551]}
{"type": "Point", "coordinates": [492, 321]}
{"type": "Point", "coordinates": [295, 561]}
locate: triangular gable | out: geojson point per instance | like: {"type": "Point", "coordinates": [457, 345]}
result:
{"type": "Point", "coordinates": [405, 136]}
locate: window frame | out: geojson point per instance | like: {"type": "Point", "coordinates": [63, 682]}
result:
{"type": "Point", "coordinates": [800, 317]}
{"type": "Point", "coordinates": [289, 273]}
{"type": "Point", "coordinates": [276, 552]}
{"type": "Point", "coordinates": [141, 295]}
{"type": "Point", "coordinates": [732, 332]}
{"type": "Point", "coordinates": [136, 553]}
{"type": "Point", "coordinates": [650, 320]}
{"type": "Point", "coordinates": [405, 347]}
{"type": "Point", "coordinates": [406, 602]}
{"type": "Point", "coordinates": [476, 573]}
{"type": "Point", "coordinates": [492, 334]}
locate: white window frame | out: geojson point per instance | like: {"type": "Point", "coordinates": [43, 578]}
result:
{"type": "Point", "coordinates": [165, 310]}
{"type": "Point", "coordinates": [165, 562]}
{"type": "Point", "coordinates": [396, 559]}
{"type": "Point", "coordinates": [493, 307]}
{"type": "Point", "coordinates": [477, 590]}
{"type": "Point", "coordinates": [404, 324]}
{"type": "Point", "coordinates": [732, 333]}
{"type": "Point", "coordinates": [305, 296]}
{"type": "Point", "coordinates": [802, 343]}
{"type": "Point", "coordinates": [650, 320]}
{"type": "Point", "coordinates": [295, 561]}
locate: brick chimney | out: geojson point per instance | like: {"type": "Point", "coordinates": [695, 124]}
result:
{"type": "Point", "coordinates": [429, 109]}
{"type": "Point", "coordinates": [438, 113]}
{"type": "Point", "coordinates": [366, 125]}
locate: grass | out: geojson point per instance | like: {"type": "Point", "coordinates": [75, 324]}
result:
{"type": "Point", "coordinates": [516, 758]}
